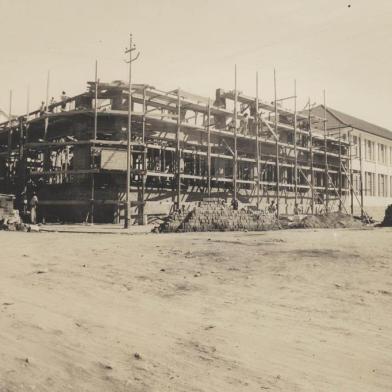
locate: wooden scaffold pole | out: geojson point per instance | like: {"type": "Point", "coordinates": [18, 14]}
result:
{"type": "Point", "coordinates": [295, 149]}
{"type": "Point", "coordinates": [361, 175]}
{"type": "Point", "coordinates": [235, 169]}
{"type": "Point", "coordinates": [340, 170]}
{"type": "Point", "coordinates": [46, 105]}
{"type": "Point", "coordinates": [27, 113]}
{"type": "Point", "coordinates": [351, 172]}
{"type": "Point", "coordinates": [311, 157]}
{"type": "Point", "coordinates": [257, 143]}
{"type": "Point", "coordinates": [9, 143]}
{"type": "Point", "coordinates": [326, 177]}
{"type": "Point", "coordinates": [178, 151]}
{"type": "Point", "coordinates": [277, 171]}
{"type": "Point", "coordinates": [92, 201]}
{"type": "Point", "coordinates": [129, 133]}
{"type": "Point", "coordinates": [209, 148]}
{"type": "Point", "coordinates": [143, 217]}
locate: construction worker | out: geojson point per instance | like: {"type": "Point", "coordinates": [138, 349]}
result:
{"type": "Point", "coordinates": [42, 109]}
{"type": "Point", "coordinates": [231, 125]}
{"type": "Point", "coordinates": [272, 207]}
{"type": "Point", "coordinates": [244, 124]}
{"type": "Point", "coordinates": [51, 103]}
{"type": "Point", "coordinates": [33, 209]}
{"type": "Point", "coordinates": [63, 100]}
{"type": "Point", "coordinates": [234, 204]}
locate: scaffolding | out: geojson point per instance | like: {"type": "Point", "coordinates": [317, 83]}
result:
{"type": "Point", "coordinates": [183, 148]}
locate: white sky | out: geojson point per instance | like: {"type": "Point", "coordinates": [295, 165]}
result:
{"type": "Point", "coordinates": [195, 44]}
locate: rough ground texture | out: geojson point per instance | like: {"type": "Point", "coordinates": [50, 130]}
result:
{"type": "Point", "coordinates": [293, 310]}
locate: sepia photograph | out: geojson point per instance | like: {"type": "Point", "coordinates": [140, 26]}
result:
{"type": "Point", "coordinates": [196, 196]}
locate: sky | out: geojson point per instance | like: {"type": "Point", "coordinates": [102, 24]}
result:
{"type": "Point", "coordinates": [342, 46]}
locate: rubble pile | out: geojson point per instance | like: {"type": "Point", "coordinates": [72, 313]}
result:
{"type": "Point", "coordinates": [218, 216]}
{"type": "Point", "coordinates": [333, 220]}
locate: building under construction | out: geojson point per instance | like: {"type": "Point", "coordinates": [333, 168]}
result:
{"type": "Point", "coordinates": [183, 148]}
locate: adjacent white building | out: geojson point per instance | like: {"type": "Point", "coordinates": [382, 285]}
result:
{"type": "Point", "coordinates": [371, 159]}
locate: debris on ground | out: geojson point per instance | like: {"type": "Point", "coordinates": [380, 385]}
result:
{"type": "Point", "coordinates": [333, 220]}
{"type": "Point", "coordinates": [42, 271]}
{"type": "Point", "coordinates": [105, 365]}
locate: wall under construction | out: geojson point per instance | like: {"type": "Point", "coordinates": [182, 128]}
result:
{"type": "Point", "coordinates": [184, 148]}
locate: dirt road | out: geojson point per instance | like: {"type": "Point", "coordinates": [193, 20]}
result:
{"type": "Point", "coordinates": [277, 311]}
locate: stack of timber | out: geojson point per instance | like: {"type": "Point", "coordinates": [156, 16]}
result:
{"type": "Point", "coordinates": [218, 216]}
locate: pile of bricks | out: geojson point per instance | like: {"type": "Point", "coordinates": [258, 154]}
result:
{"type": "Point", "coordinates": [6, 206]}
{"type": "Point", "coordinates": [218, 216]}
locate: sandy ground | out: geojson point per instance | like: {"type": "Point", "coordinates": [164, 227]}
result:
{"type": "Point", "coordinates": [280, 311]}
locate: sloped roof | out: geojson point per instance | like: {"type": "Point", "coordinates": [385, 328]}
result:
{"type": "Point", "coordinates": [362, 125]}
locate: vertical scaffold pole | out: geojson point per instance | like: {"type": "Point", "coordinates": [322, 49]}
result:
{"type": "Point", "coordinates": [142, 219]}
{"type": "Point", "coordinates": [277, 168]}
{"type": "Point", "coordinates": [178, 150]}
{"type": "Point", "coordinates": [27, 113]}
{"type": "Point", "coordinates": [326, 178]}
{"type": "Point", "coordinates": [129, 137]}
{"type": "Point", "coordinates": [295, 148]}
{"type": "Point", "coordinates": [257, 143]}
{"type": "Point", "coordinates": [311, 157]}
{"type": "Point", "coordinates": [95, 138]}
{"type": "Point", "coordinates": [235, 169]}
{"type": "Point", "coordinates": [9, 143]}
{"type": "Point", "coordinates": [340, 170]}
{"type": "Point", "coordinates": [361, 175]}
{"type": "Point", "coordinates": [209, 148]}
{"type": "Point", "coordinates": [46, 106]}
{"type": "Point", "coordinates": [351, 173]}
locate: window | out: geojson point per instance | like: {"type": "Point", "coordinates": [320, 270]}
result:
{"type": "Point", "coordinates": [382, 185]}
{"type": "Point", "coordinates": [390, 186]}
{"type": "Point", "coordinates": [357, 182]}
{"type": "Point", "coordinates": [369, 150]}
{"type": "Point", "coordinates": [382, 153]}
{"type": "Point", "coordinates": [370, 184]}
{"type": "Point", "coordinates": [354, 150]}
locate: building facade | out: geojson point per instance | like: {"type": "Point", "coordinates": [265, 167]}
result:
{"type": "Point", "coordinates": [183, 149]}
{"type": "Point", "coordinates": [371, 157]}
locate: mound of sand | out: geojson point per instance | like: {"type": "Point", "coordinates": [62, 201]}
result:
{"type": "Point", "coordinates": [330, 221]}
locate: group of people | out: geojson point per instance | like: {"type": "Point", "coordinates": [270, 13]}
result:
{"type": "Point", "coordinates": [271, 209]}
{"type": "Point", "coordinates": [44, 108]}
{"type": "Point", "coordinates": [244, 125]}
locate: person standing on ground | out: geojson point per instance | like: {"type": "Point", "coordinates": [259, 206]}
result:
{"type": "Point", "coordinates": [33, 209]}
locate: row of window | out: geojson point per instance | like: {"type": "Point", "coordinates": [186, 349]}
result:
{"type": "Point", "coordinates": [383, 156]}
{"type": "Point", "coordinates": [377, 185]}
